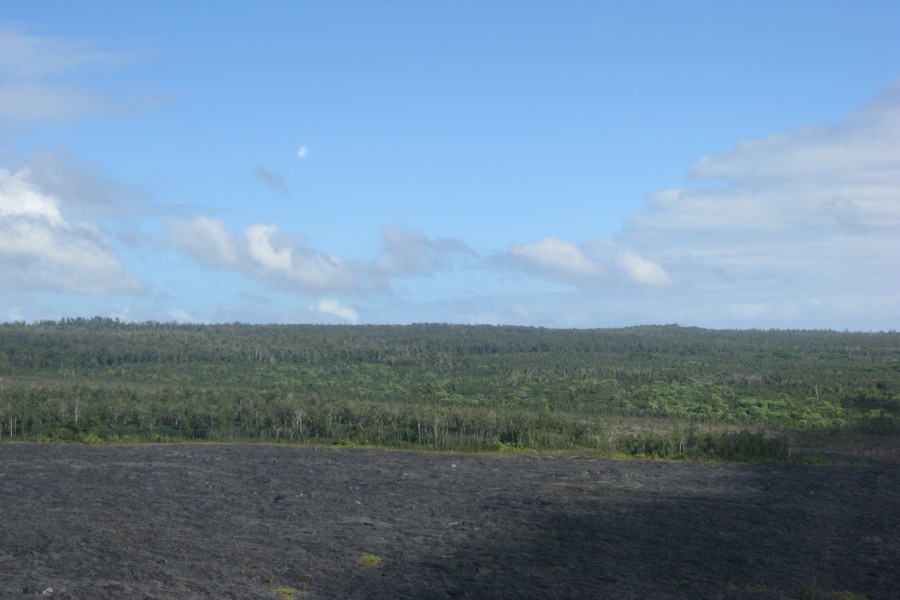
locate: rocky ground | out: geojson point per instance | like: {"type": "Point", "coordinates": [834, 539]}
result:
{"type": "Point", "coordinates": [222, 521]}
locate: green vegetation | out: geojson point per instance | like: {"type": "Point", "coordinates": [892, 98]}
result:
{"type": "Point", "coordinates": [371, 560]}
{"type": "Point", "coordinates": [658, 391]}
{"type": "Point", "coordinates": [287, 593]}
{"type": "Point", "coordinates": [844, 595]}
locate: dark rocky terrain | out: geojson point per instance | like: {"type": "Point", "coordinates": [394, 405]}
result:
{"type": "Point", "coordinates": [222, 521]}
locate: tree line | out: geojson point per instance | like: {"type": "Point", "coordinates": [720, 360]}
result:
{"type": "Point", "coordinates": [441, 386]}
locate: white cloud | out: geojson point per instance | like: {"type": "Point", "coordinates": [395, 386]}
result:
{"type": "Point", "coordinates": [791, 197]}
{"type": "Point", "coordinates": [289, 262]}
{"type": "Point", "coordinates": [261, 250]}
{"type": "Point", "coordinates": [315, 270]}
{"type": "Point", "coordinates": [805, 218]}
{"type": "Point", "coordinates": [40, 250]}
{"type": "Point", "coordinates": [335, 308]}
{"type": "Point", "coordinates": [860, 151]}
{"type": "Point", "coordinates": [797, 229]}
{"type": "Point", "coordinates": [302, 152]}
{"type": "Point", "coordinates": [557, 259]}
{"type": "Point", "coordinates": [19, 197]}
{"type": "Point", "coordinates": [592, 265]}
{"type": "Point", "coordinates": [643, 271]}
{"type": "Point", "coordinates": [282, 261]}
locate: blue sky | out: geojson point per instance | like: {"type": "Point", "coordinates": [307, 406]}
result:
{"type": "Point", "coordinates": [562, 164]}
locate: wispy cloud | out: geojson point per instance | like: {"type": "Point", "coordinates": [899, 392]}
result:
{"type": "Point", "coordinates": [30, 102]}
{"type": "Point", "coordinates": [272, 179]}
{"type": "Point", "coordinates": [29, 56]}
{"type": "Point", "coordinates": [86, 190]}
{"type": "Point", "coordinates": [206, 240]}
{"type": "Point", "coordinates": [406, 252]}
{"type": "Point", "coordinates": [31, 90]}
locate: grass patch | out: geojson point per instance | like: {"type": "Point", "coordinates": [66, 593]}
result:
{"type": "Point", "coordinates": [371, 560]}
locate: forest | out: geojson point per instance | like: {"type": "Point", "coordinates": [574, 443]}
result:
{"type": "Point", "coordinates": [659, 391]}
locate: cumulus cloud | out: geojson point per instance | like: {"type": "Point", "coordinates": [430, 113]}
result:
{"type": "Point", "coordinates": [805, 219]}
{"type": "Point", "coordinates": [19, 197]}
{"type": "Point", "coordinates": [861, 151]}
{"type": "Point", "coordinates": [41, 250]}
{"type": "Point", "coordinates": [261, 252]}
{"type": "Point", "coordinates": [825, 185]}
{"type": "Point", "coordinates": [289, 262]}
{"type": "Point", "coordinates": [335, 308]}
{"type": "Point", "coordinates": [592, 265]}
{"type": "Point", "coordinates": [800, 228]}
{"type": "Point", "coordinates": [643, 271]}
{"type": "Point", "coordinates": [557, 259]}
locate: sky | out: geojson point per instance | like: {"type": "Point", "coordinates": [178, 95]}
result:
{"type": "Point", "coordinates": [559, 164]}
